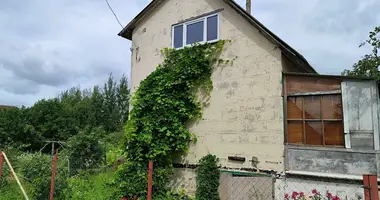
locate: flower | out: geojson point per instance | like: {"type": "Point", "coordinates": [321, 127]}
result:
{"type": "Point", "coordinates": [329, 195]}
{"type": "Point", "coordinates": [335, 198]}
{"type": "Point", "coordinates": [314, 191]}
{"type": "Point", "coordinates": [286, 196]}
{"type": "Point", "coordinates": [294, 194]}
{"type": "Point", "coordinates": [301, 194]}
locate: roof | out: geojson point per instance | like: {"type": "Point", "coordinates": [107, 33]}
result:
{"type": "Point", "coordinates": [6, 107]}
{"type": "Point", "coordinates": [358, 78]}
{"type": "Point", "coordinates": [287, 50]}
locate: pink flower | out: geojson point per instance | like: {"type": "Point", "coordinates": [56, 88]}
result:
{"type": "Point", "coordinates": [294, 195]}
{"type": "Point", "coordinates": [329, 195]}
{"type": "Point", "coordinates": [314, 191]}
{"type": "Point", "coordinates": [335, 198]}
{"type": "Point", "coordinates": [286, 196]}
{"type": "Point", "coordinates": [301, 194]}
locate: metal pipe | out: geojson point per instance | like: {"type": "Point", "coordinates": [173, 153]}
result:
{"type": "Point", "coordinates": [248, 6]}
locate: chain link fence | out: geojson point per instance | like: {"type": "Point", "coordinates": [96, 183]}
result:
{"type": "Point", "coordinates": [236, 185]}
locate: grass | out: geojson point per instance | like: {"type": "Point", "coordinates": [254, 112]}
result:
{"type": "Point", "coordinates": [11, 191]}
{"type": "Point", "coordinates": [89, 187]}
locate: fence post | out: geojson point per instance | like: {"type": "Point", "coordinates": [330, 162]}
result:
{"type": "Point", "coordinates": [115, 162]}
{"type": "Point", "coordinates": [53, 175]}
{"type": "Point", "coordinates": [150, 179]}
{"type": "Point", "coordinates": [371, 190]}
{"type": "Point", "coordinates": [1, 167]}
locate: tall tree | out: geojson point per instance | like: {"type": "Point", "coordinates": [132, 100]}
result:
{"type": "Point", "coordinates": [111, 112]}
{"type": "Point", "coordinates": [369, 65]}
{"type": "Point", "coordinates": [123, 95]}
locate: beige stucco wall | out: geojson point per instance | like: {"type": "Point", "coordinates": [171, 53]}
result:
{"type": "Point", "coordinates": [245, 115]}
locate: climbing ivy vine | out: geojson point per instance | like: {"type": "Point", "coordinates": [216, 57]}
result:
{"type": "Point", "coordinates": [162, 106]}
{"type": "Point", "coordinates": [208, 176]}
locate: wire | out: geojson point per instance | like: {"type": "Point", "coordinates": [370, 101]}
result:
{"type": "Point", "coordinates": [114, 14]}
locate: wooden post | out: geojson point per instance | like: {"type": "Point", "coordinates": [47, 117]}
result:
{"type": "Point", "coordinates": [15, 176]}
{"type": "Point", "coordinates": [53, 175]}
{"type": "Point", "coordinates": [370, 187]}
{"type": "Point", "coordinates": [1, 167]}
{"type": "Point", "coordinates": [150, 180]}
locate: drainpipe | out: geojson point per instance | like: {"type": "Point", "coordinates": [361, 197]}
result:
{"type": "Point", "coordinates": [248, 6]}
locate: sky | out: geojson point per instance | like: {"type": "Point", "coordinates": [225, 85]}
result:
{"type": "Point", "coordinates": [47, 46]}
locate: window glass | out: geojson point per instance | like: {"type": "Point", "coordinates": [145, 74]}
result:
{"type": "Point", "coordinates": [295, 132]}
{"type": "Point", "coordinates": [334, 133]}
{"type": "Point", "coordinates": [212, 28]}
{"type": "Point", "coordinates": [178, 36]}
{"type": "Point", "coordinates": [315, 120]}
{"type": "Point", "coordinates": [294, 108]}
{"type": "Point", "coordinates": [314, 134]}
{"type": "Point", "coordinates": [332, 107]}
{"type": "Point", "coordinates": [194, 32]}
{"type": "Point", "coordinates": [312, 106]}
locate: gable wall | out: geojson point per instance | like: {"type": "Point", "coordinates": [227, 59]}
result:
{"type": "Point", "coordinates": [245, 115]}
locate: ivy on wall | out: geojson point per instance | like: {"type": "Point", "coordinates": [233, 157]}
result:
{"type": "Point", "coordinates": [162, 106]}
{"type": "Point", "coordinates": [208, 176]}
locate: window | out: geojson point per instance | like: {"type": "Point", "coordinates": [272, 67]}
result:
{"type": "Point", "coordinates": [315, 120]}
{"type": "Point", "coordinates": [205, 29]}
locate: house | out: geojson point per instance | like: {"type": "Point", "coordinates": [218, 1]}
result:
{"type": "Point", "coordinates": [254, 121]}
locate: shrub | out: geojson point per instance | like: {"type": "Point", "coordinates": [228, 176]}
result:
{"type": "Point", "coordinates": [85, 150]}
{"type": "Point", "coordinates": [89, 187]}
{"type": "Point", "coordinates": [36, 168]}
{"type": "Point", "coordinates": [208, 176]}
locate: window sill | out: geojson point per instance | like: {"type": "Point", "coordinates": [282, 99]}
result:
{"type": "Point", "coordinates": [336, 149]}
{"type": "Point", "coordinates": [201, 43]}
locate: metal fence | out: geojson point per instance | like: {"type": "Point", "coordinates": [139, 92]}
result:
{"type": "Point", "coordinates": [236, 185]}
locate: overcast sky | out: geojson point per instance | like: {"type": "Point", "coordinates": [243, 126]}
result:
{"type": "Point", "coordinates": [47, 46]}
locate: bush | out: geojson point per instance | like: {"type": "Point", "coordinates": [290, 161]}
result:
{"type": "Point", "coordinates": [208, 176]}
{"type": "Point", "coordinates": [85, 150]}
{"type": "Point", "coordinates": [89, 187]}
{"type": "Point", "coordinates": [37, 169]}
{"type": "Point", "coordinates": [12, 153]}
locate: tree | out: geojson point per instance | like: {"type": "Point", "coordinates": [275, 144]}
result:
{"type": "Point", "coordinates": [111, 112]}
{"type": "Point", "coordinates": [368, 66]}
{"type": "Point", "coordinates": [123, 98]}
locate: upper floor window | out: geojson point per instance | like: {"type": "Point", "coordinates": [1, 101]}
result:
{"type": "Point", "coordinates": [201, 30]}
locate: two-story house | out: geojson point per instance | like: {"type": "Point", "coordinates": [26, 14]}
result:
{"type": "Point", "coordinates": [270, 108]}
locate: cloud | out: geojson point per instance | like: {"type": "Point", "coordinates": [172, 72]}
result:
{"type": "Point", "coordinates": [48, 46]}
{"type": "Point", "coordinates": [327, 33]}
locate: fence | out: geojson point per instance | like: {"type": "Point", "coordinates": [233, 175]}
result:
{"type": "Point", "coordinates": [254, 186]}
{"type": "Point", "coordinates": [238, 185]}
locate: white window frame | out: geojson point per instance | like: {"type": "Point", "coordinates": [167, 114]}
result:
{"type": "Point", "coordinates": [204, 19]}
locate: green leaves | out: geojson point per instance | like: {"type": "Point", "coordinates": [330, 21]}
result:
{"type": "Point", "coordinates": [208, 175]}
{"type": "Point", "coordinates": [163, 104]}
{"type": "Point", "coordinates": [369, 65]}
{"type": "Point", "coordinates": [66, 115]}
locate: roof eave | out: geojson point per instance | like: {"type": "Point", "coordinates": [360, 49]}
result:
{"type": "Point", "coordinates": [127, 31]}
{"type": "Point", "coordinates": [275, 38]}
